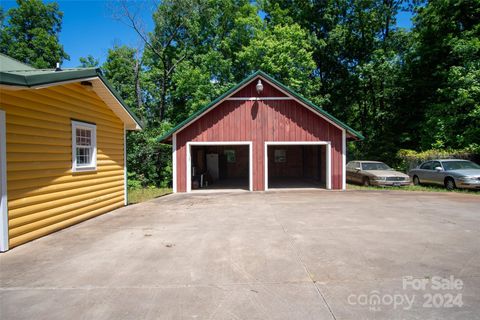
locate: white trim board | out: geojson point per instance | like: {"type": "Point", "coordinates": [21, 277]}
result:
{"type": "Point", "coordinates": [42, 86]}
{"type": "Point", "coordinates": [344, 160]}
{"type": "Point", "coordinates": [219, 143]}
{"type": "Point", "coordinates": [174, 162]}
{"type": "Point", "coordinates": [328, 162]}
{"type": "Point", "coordinates": [3, 185]}
{"type": "Point", "coordinates": [125, 173]}
{"type": "Point", "coordinates": [258, 98]}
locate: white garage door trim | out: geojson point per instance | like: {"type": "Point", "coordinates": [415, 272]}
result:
{"type": "Point", "coordinates": [3, 185]}
{"type": "Point", "coordinates": [174, 163]}
{"type": "Point", "coordinates": [220, 143]}
{"type": "Point", "coordinates": [292, 143]}
{"type": "Point", "coordinates": [344, 160]}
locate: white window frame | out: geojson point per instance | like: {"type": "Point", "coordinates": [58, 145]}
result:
{"type": "Point", "coordinates": [93, 128]}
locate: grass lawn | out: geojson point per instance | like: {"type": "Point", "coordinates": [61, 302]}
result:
{"type": "Point", "coordinates": [411, 188]}
{"type": "Point", "coordinates": [144, 194]}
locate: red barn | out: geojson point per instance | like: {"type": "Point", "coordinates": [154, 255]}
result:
{"type": "Point", "coordinates": [257, 136]}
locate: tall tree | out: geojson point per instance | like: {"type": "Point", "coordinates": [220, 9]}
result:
{"type": "Point", "coordinates": [148, 162]}
{"type": "Point", "coordinates": [31, 34]}
{"type": "Point", "coordinates": [285, 52]}
{"type": "Point", "coordinates": [193, 40]}
{"type": "Point", "coordinates": [177, 25]}
{"type": "Point", "coordinates": [123, 69]}
{"type": "Point", "coordinates": [213, 64]}
{"type": "Point", "coordinates": [89, 62]}
{"type": "Point", "coordinates": [445, 67]}
{"type": "Point", "coordinates": [358, 61]}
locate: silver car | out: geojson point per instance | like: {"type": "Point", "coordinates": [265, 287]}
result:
{"type": "Point", "coordinates": [451, 173]}
{"type": "Point", "coordinates": [374, 173]}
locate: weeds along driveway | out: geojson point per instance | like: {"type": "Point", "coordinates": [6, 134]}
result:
{"type": "Point", "coordinates": [274, 255]}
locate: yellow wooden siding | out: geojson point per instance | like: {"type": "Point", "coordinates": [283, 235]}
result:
{"type": "Point", "coordinates": [44, 195]}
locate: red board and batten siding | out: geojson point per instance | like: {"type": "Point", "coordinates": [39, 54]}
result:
{"type": "Point", "coordinates": [259, 121]}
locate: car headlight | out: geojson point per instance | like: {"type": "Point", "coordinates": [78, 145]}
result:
{"type": "Point", "coordinates": [467, 179]}
{"type": "Point", "coordinates": [380, 178]}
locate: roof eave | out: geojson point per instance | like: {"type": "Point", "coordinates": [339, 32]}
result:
{"type": "Point", "coordinates": [59, 77]}
{"type": "Point", "coordinates": [10, 79]}
{"type": "Point", "coordinates": [120, 100]}
{"type": "Point", "coordinates": [51, 78]}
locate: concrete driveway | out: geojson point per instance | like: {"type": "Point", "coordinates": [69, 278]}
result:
{"type": "Point", "coordinates": [276, 255]}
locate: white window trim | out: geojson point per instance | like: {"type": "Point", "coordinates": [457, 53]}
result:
{"type": "Point", "coordinates": [328, 162]}
{"type": "Point", "coordinates": [3, 185]}
{"type": "Point", "coordinates": [93, 127]}
{"type": "Point", "coordinates": [219, 143]}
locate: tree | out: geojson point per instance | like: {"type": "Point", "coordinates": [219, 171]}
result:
{"type": "Point", "coordinates": [193, 39]}
{"type": "Point", "coordinates": [147, 160]}
{"type": "Point", "coordinates": [445, 63]}
{"type": "Point", "coordinates": [89, 62]}
{"type": "Point", "coordinates": [31, 33]}
{"type": "Point", "coordinates": [123, 69]}
{"type": "Point", "coordinates": [176, 27]}
{"type": "Point", "coordinates": [358, 55]}
{"type": "Point", "coordinates": [286, 53]}
{"type": "Point", "coordinates": [212, 65]}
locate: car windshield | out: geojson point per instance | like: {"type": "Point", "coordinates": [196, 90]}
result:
{"type": "Point", "coordinates": [459, 165]}
{"type": "Point", "coordinates": [375, 166]}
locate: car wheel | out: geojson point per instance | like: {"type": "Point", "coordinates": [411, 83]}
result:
{"type": "Point", "coordinates": [416, 181]}
{"type": "Point", "coordinates": [450, 184]}
{"type": "Point", "coordinates": [366, 182]}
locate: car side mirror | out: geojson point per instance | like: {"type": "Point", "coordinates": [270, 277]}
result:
{"type": "Point", "coordinates": [438, 168]}
{"type": "Point", "coordinates": [358, 168]}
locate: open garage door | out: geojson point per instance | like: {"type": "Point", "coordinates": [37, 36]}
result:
{"type": "Point", "coordinates": [297, 165]}
{"type": "Point", "coordinates": [218, 166]}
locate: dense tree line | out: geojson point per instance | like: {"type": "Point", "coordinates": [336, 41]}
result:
{"type": "Point", "coordinates": [417, 89]}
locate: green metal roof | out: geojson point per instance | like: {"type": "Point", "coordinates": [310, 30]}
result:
{"type": "Point", "coordinates": [262, 74]}
{"type": "Point", "coordinates": [16, 73]}
{"type": "Point", "coordinates": [8, 64]}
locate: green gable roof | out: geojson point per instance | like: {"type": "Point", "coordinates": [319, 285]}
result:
{"type": "Point", "coordinates": [9, 64]}
{"type": "Point", "coordinates": [277, 83]}
{"type": "Point", "coordinates": [16, 73]}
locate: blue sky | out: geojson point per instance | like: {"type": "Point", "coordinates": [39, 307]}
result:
{"type": "Point", "coordinates": [90, 27]}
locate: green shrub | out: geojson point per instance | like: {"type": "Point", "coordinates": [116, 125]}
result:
{"type": "Point", "coordinates": [410, 159]}
{"type": "Point", "coordinates": [149, 162]}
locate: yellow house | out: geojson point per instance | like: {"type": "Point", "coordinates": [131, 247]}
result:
{"type": "Point", "coordinates": [62, 149]}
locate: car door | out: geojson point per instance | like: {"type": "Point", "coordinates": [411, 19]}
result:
{"type": "Point", "coordinates": [437, 176]}
{"type": "Point", "coordinates": [424, 171]}
{"type": "Point", "coordinates": [357, 172]}
{"type": "Point", "coordinates": [351, 171]}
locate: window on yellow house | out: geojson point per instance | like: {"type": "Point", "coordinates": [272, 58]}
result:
{"type": "Point", "coordinates": [84, 146]}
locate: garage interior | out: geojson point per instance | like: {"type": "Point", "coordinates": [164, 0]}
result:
{"type": "Point", "coordinates": [220, 167]}
{"type": "Point", "coordinates": [296, 166]}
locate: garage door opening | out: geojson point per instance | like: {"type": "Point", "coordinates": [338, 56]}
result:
{"type": "Point", "coordinates": [220, 167]}
{"type": "Point", "coordinates": [297, 166]}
